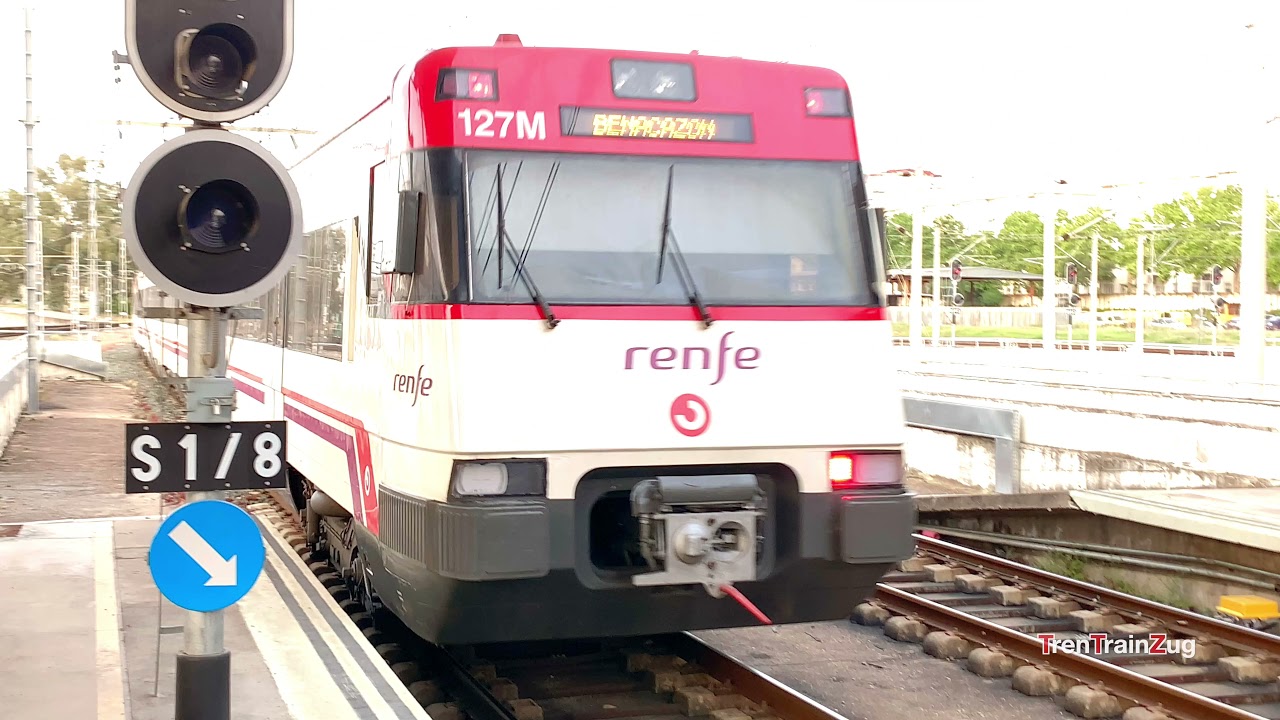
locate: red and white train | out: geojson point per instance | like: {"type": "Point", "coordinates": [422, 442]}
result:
{"type": "Point", "coordinates": [582, 340]}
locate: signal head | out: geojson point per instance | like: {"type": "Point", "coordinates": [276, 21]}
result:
{"type": "Point", "coordinates": [210, 60]}
{"type": "Point", "coordinates": [213, 219]}
{"type": "Point", "coordinates": [1071, 273]}
{"type": "Point", "coordinates": [1217, 274]}
{"type": "Point", "coordinates": [956, 270]}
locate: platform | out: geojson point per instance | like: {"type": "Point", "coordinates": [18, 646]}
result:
{"type": "Point", "coordinates": [1244, 516]}
{"type": "Point", "coordinates": [84, 625]}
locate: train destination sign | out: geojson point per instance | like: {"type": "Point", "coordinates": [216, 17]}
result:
{"type": "Point", "coordinates": [603, 122]}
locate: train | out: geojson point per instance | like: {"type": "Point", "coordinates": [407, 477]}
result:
{"type": "Point", "coordinates": [584, 343]}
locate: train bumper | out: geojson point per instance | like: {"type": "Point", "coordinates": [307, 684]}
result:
{"type": "Point", "coordinates": [522, 569]}
{"type": "Point", "coordinates": [876, 528]}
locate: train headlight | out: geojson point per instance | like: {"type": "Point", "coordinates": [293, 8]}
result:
{"type": "Point", "coordinates": [506, 478]}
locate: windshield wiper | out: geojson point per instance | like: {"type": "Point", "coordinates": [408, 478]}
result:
{"type": "Point", "coordinates": [682, 266]}
{"type": "Point", "coordinates": [505, 240]}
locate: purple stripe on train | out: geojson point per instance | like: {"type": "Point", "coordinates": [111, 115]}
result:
{"type": "Point", "coordinates": [336, 438]}
{"type": "Point", "coordinates": [249, 390]}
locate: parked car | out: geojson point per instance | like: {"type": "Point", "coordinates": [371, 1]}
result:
{"type": "Point", "coordinates": [1167, 322]}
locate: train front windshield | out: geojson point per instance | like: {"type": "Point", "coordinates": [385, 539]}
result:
{"type": "Point", "coordinates": [590, 229]}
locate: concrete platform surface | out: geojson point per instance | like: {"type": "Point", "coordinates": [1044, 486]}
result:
{"type": "Point", "coordinates": [87, 635]}
{"type": "Point", "coordinates": [1245, 516]}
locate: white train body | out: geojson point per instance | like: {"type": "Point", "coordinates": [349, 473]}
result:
{"type": "Point", "coordinates": [387, 399]}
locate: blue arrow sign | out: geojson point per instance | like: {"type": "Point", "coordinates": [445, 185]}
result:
{"type": "Point", "coordinates": [207, 555]}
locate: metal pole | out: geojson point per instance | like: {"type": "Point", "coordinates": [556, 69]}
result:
{"type": "Point", "coordinates": [124, 278]}
{"type": "Point", "coordinates": [1140, 298]}
{"type": "Point", "coordinates": [93, 244]}
{"type": "Point", "coordinates": [33, 349]}
{"type": "Point", "coordinates": [73, 299]}
{"type": "Point", "coordinates": [1049, 304]}
{"type": "Point", "coordinates": [935, 317]}
{"type": "Point", "coordinates": [203, 667]}
{"type": "Point", "coordinates": [917, 275]}
{"type": "Point", "coordinates": [1093, 295]}
{"type": "Point", "coordinates": [1251, 281]}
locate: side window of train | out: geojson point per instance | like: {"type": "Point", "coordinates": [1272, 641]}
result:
{"type": "Point", "coordinates": [384, 220]}
{"type": "Point", "coordinates": [373, 239]}
{"type": "Point", "coordinates": [250, 329]}
{"type": "Point", "coordinates": [317, 291]}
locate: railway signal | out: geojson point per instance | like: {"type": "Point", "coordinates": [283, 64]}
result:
{"type": "Point", "coordinates": [210, 217]}
{"type": "Point", "coordinates": [1071, 273]}
{"type": "Point", "coordinates": [1217, 275]}
{"type": "Point", "coordinates": [214, 220]}
{"type": "Point", "coordinates": [956, 271]}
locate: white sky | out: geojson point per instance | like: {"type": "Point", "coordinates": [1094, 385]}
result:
{"type": "Point", "coordinates": [1013, 93]}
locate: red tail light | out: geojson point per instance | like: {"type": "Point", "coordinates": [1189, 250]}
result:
{"type": "Point", "coordinates": [462, 84]}
{"type": "Point", "coordinates": [847, 469]}
{"type": "Point", "coordinates": [823, 102]}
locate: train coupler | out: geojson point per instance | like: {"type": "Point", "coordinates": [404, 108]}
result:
{"type": "Point", "coordinates": [698, 530]}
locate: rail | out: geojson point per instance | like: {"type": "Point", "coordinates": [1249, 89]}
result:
{"type": "Point", "coordinates": [950, 595]}
{"type": "Point", "coordinates": [1241, 638]}
{"type": "Point", "coordinates": [671, 676]}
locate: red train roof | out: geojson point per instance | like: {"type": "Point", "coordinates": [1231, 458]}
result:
{"type": "Point", "coordinates": [535, 93]}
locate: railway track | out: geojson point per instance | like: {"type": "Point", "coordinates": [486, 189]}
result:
{"type": "Point", "coordinates": [1099, 651]}
{"type": "Point", "coordinates": [653, 677]}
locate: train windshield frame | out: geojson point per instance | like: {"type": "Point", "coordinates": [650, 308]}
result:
{"type": "Point", "coordinates": [589, 229]}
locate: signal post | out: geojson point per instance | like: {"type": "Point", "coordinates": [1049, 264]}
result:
{"type": "Point", "coordinates": [957, 297]}
{"type": "Point", "coordinates": [213, 220]}
{"type": "Point", "coordinates": [1073, 301]}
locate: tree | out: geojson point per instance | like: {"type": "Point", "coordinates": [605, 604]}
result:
{"type": "Point", "coordinates": [1193, 233]}
{"type": "Point", "coordinates": [1077, 247]}
{"type": "Point", "coordinates": [62, 194]}
{"type": "Point", "coordinates": [13, 234]}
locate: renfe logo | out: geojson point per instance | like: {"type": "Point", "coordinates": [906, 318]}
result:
{"type": "Point", "coordinates": [664, 358]}
{"type": "Point", "coordinates": [416, 385]}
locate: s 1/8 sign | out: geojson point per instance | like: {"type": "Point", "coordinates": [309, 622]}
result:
{"type": "Point", "coordinates": [487, 123]}
{"type": "Point", "coordinates": [176, 457]}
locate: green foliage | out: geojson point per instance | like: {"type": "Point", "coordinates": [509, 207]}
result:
{"type": "Point", "coordinates": [1188, 234]}
{"type": "Point", "coordinates": [62, 195]}
{"type": "Point", "coordinates": [1061, 563]}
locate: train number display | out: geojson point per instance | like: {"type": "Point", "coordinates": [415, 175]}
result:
{"type": "Point", "coordinates": [486, 123]}
{"type": "Point", "coordinates": [183, 456]}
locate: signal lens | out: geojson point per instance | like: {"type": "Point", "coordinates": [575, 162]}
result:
{"type": "Point", "coordinates": [847, 470]}
{"type": "Point", "coordinates": [217, 59]}
{"type": "Point", "coordinates": [821, 102]}
{"type": "Point", "coordinates": [218, 216]}
{"type": "Point", "coordinates": [463, 84]}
